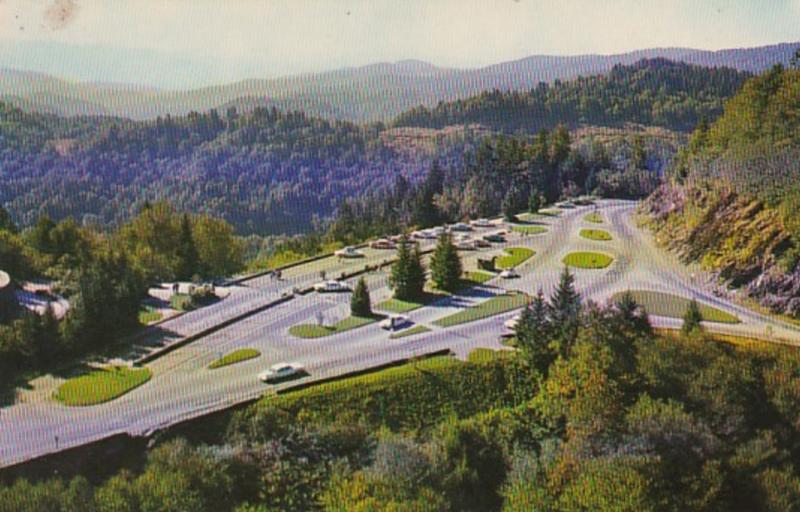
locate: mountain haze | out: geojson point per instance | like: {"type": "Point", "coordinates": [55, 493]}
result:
{"type": "Point", "coordinates": [376, 92]}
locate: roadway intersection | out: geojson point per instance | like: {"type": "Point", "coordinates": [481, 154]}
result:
{"type": "Point", "coordinates": [183, 387]}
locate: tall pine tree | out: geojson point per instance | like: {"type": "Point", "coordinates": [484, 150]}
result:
{"type": "Point", "coordinates": [360, 303]}
{"type": "Point", "coordinates": [534, 334]}
{"type": "Point", "coordinates": [186, 251]}
{"type": "Point", "coordinates": [692, 318]}
{"type": "Point", "coordinates": [407, 277]}
{"type": "Point", "coordinates": [565, 308]}
{"type": "Point", "coordinates": [446, 265]}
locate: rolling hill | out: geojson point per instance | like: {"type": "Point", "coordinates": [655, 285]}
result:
{"type": "Point", "coordinates": [377, 92]}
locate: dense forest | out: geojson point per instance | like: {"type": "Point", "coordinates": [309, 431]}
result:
{"type": "Point", "coordinates": [270, 172]}
{"type": "Point", "coordinates": [595, 411]}
{"type": "Point", "coordinates": [732, 200]}
{"type": "Point", "coordinates": [655, 92]}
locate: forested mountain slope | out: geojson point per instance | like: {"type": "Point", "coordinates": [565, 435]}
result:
{"type": "Point", "coordinates": [269, 172]}
{"type": "Point", "coordinates": [733, 201]}
{"type": "Point", "coordinates": [654, 92]}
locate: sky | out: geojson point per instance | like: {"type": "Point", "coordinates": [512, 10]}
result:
{"type": "Point", "coordinates": [175, 43]}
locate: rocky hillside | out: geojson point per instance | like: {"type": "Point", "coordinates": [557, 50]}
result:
{"type": "Point", "coordinates": [731, 203]}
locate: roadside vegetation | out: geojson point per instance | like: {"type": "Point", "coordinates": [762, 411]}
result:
{"type": "Point", "coordinates": [101, 385]}
{"type": "Point", "coordinates": [588, 260]}
{"type": "Point", "coordinates": [322, 330]}
{"type": "Point", "coordinates": [148, 315]}
{"type": "Point", "coordinates": [411, 331]}
{"type": "Point", "coordinates": [529, 230]}
{"type": "Point", "coordinates": [237, 356]}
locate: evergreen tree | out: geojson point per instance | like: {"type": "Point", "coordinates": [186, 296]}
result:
{"type": "Point", "coordinates": [446, 265]}
{"type": "Point", "coordinates": [407, 277]}
{"type": "Point", "coordinates": [692, 318]}
{"type": "Point", "coordinates": [565, 307]}
{"type": "Point", "coordinates": [425, 212]}
{"type": "Point", "coordinates": [534, 332]}
{"type": "Point", "coordinates": [360, 303]}
{"type": "Point", "coordinates": [6, 223]}
{"type": "Point", "coordinates": [535, 201]}
{"type": "Point", "coordinates": [188, 258]}
{"type": "Point", "coordinates": [633, 315]}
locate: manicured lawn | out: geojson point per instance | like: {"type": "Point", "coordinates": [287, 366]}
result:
{"type": "Point", "coordinates": [101, 385]}
{"type": "Point", "coordinates": [594, 218]}
{"type": "Point", "coordinates": [674, 306]}
{"type": "Point", "coordinates": [148, 315]}
{"type": "Point", "coordinates": [319, 331]}
{"type": "Point", "coordinates": [529, 230]}
{"type": "Point", "coordinates": [237, 356]}
{"type": "Point", "coordinates": [494, 306]}
{"type": "Point", "coordinates": [514, 256]}
{"type": "Point", "coordinates": [592, 260]}
{"type": "Point", "coordinates": [417, 329]}
{"type": "Point", "coordinates": [596, 234]}
{"type": "Point", "coordinates": [477, 277]}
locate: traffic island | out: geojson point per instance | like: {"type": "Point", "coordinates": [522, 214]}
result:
{"type": "Point", "coordinates": [496, 305]}
{"type": "Point", "coordinates": [309, 331]}
{"type": "Point", "coordinates": [674, 306]}
{"type": "Point", "coordinates": [594, 218]}
{"type": "Point", "coordinates": [101, 385]}
{"type": "Point", "coordinates": [588, 260]}
{"type": "Point", "coordinates": [237, 356]}
{"type": "Point", "coordinates": [514, 256]}
{"type": "Point", "coordinates": [599, 235]}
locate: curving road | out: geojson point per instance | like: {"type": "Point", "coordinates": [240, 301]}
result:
{"type": "Point", "coordinates": [182, 387]}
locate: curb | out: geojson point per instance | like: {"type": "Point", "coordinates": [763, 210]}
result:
{"type": "Point", "coordinates": [193, 337]}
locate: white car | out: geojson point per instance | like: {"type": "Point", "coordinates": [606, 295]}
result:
{"type": "Point", "coordinates": [349, 252]}
{"type": "Point", "coordinates": [466, 245]}
{"type": "Point", "coordinates": [512, 322]}
{"type": "Point", "coordinates": [482, 223]}
{"type": "Point", "coordinates": [395, 322]}
{"type": "Point", "coordinates": [280, 371]}
{"type": "Point", "coordinates": [331, 286]}
{"type": "Point", "coordinates": [509, 273]}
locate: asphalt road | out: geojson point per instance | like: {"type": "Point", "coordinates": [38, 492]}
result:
{"type": "Point", "coordinates": [183, 387]}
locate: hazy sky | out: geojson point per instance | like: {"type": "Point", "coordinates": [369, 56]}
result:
{"type": "Point", "coordinates": [169, 42]}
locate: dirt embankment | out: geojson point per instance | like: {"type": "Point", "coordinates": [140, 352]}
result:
{"type": "Point", "coordinates": [741, 240]}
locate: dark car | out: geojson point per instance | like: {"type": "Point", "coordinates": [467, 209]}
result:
{"type": "Point", "coordinates": [494, 238]}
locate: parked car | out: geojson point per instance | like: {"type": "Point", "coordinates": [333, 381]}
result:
{"type": "Point", "coordinates": [495, 238]}
{"type": "Point", "coordinates": [331, 286]}
{"type": "Point", "coordinates": [460, 227]}
{"type": "Point", "coordinates": [482, 223]}
{"type": "Point", "coordinates": [349, 252]}
{"type": "Point", "coordinates": [509, 273]}
{"type": "Point", "coordinates": [395, 322]}
{"type": "Point", "coordinates": [480, 242]}
{"type": "Point", "coordinates": [466, 245]}
{"type": "Point", "coordinates": [512, 322]}
{"type": "Point", "coordinates": [383, 243]}
{"type": "Point", "coordinates": [280, 371]}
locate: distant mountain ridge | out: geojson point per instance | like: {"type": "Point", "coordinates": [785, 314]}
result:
{"type": "Point", "coordinates": [376, 92]}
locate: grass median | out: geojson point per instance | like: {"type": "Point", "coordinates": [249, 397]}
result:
{"type": "Point", "coordinates": [101, 385]}
{"type": "Point", "coordinates": [594, 218]}
{"type": "Point", "coordinates": [600, 235]}
{"type": "Point", "coordinates": [588, 260]}
{"type": "Point", "coordinates": [494, 306]}
{"type": "Point", "coordinates": [528, 230]}
{"type": "Point", "coordinates": [674, 306]}
{"type": "Point", "coordinates": [237, 356]}
{"type": "Point", "coordinates": [148, 315]}
{"type": "Point", "coordinates": [417, 329]}
{"type": "Point", "coordinates": [514, 256]}
{"type": "Point", "coordinates": [320, 331]}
